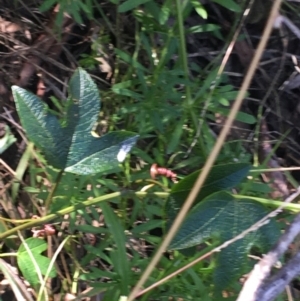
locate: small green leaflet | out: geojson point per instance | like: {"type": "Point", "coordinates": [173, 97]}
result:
{"type": "Point", "coordinates": [130, 4]}
{"type": "Point", "coordinates": [72, 147]}
{"type": "Point", "coordinates": [199, 8]}
{"type": "Point", "coordinates": [36, 246]}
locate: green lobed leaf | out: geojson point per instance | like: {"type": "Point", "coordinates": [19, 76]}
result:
{"type": "Point", "coordinates": [37, 246]}
{"type": "Point", "coordinates": [221, 177]}
{"type": "Point", "coordinates": [72, 147]}
{"type": "Point", "coordinates": [221, 215]}
{"type": "Point", "coordinates": [40, 126]}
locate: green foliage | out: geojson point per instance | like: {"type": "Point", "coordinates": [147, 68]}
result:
{"type": "Point", "coordinates": [130, 4]}
{"type": "Point", "coordinates": [221, 215]}
{"type": "Point", "coordinates": [217, 214]}
{"type": "Point", "coordinates": [72, 147]}
{"type": "Point", "coordinates": [72, 7]}
{"type": "Point", "coordinates": [118, 256]}
{"type": "Point", "coordinates": [172, 102]}
{"type": "Point", "coordinates": [25, 260]}
{"type": "Point", "coordinates": [72, 190]}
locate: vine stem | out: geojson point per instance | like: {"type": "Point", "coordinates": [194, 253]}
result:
{"type": "Point", "coordinates": [163, 195]}
{"type": "Point", "coordinates": [62, 212]}
{"type": "Point", "coordinates": [8, 255]}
